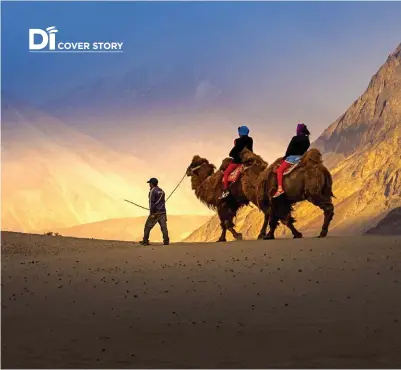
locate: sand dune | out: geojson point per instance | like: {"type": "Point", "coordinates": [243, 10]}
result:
{"type": "Point", "coordinates": [80, 303]}
{"type": "Point", "coordinates": [131, 228]}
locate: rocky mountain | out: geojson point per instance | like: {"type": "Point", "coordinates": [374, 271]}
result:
{"type": "Point", "coordinates": [131, 228]}
{"type": "Point", "coordinates": [389, 225]}
{"type": "Point", "coordinates": [143, 90]}
{"type": "Point", "coordinates": [362, 148]}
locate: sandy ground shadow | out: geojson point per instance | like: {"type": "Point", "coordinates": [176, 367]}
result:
{"type": "Point", "coordinates": [73, 303]}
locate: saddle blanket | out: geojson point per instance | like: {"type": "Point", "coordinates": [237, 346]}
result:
{"type": "Point", "coordinates": [235, 175]}
{"type": "Point", "coordinates": [288, 170]}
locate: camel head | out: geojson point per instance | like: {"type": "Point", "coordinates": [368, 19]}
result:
{"type": "Point", "coordinates": [197, 163]}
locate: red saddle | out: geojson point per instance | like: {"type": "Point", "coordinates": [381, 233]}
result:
{"type": "Point", "coordinates": [235, 175]}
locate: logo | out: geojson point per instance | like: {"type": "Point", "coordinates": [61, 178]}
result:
{"type": "Point", "coordinates": [45, 41]}
{"type": "Point", "coordinates": [48, 37]}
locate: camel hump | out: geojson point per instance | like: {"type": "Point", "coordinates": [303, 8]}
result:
{"type": "Point", "coordinates": [248, 157]}
{"type": "Point", "coordinates": [224, 164]}
{"type": "Point", "coordinates": [312, 156]}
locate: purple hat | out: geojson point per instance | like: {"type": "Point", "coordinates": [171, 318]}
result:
{"type": "Point", "coordinates": [302, 129]}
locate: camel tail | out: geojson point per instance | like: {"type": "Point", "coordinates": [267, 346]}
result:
{"type": "Point", "coordinates": [328, 184]}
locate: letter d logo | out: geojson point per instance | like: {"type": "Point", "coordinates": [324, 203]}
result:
{"type": "Point", "coordinates": [46, 37]}
{"type": "Point", "coordinates": [43, 44]}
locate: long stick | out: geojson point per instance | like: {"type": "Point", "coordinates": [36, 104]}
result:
{"type": "Point", "coordinates": [136, 204]}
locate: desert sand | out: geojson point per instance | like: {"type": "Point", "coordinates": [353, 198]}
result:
{"type": "Point", "coordinates": [76, 303]}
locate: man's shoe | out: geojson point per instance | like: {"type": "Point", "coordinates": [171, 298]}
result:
{"type": "Point", "coordinates": [225, 194]}
{"type": "Point", "coordinates": [166, 243]}
{"type": "Point", "coordinates": [144, 243]}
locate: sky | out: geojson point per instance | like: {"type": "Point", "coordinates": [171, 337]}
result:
{"type": "Point", "coordinates": [280, 62]}
{"type": "Point", "coordinates": [257, 44]}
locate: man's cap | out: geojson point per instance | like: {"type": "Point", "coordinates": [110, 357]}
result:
{"type": "Point", "coordinates": [153, 181]}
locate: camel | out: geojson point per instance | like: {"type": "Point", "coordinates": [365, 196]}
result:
{"type": "Point", "coordinates": [208, 187]}
{"type": "Point", "coordinates": [253, 180]}
{"type": "Point", "coordinates": [310, 181]}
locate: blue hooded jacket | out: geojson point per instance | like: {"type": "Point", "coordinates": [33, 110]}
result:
{"type": "Point", "coordinates": [157, 202]}
{"type": "Point", "coordinates": [244, 141]}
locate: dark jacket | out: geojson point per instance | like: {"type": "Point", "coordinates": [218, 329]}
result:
{"type": "Point", "coordinates": [157, 202]}
{"type": "Point", "coordinates": [298, 146]}
{"type": "Point", "coordinates": [239, 144]}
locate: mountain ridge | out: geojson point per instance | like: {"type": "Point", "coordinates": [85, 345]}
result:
{"type": "Point", "coordinates": [143, 90]}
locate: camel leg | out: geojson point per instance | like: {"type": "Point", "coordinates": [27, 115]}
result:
{"type": "Point", "coordinates": [223, 225]}
{"type": "Point", "coordinates": [289, 222]}
{"type": "Point", "coordinates": [227, 217]}
{"type": "Point", "coordinates": [230, 226]}
{"type": "Point", "coordinates": [236, 235]}
{"type": "Point", "coordinates": [223, 233]}
{"type": "Point", "coordinates": [262, 232]}
{"type": "Point", "coordinates": [273, 223]}
{"type": "Point", "coordinates": [328, 208]}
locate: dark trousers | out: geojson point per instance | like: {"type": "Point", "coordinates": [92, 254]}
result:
{"type": "Point", "coordinates": [150, 224]}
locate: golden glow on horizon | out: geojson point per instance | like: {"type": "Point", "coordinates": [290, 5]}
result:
{"type": "Point", "coordinates": [54, 176]}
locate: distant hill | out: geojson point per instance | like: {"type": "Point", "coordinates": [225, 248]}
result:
{"type": "Point", "coordinates": [389, 225]}
{"type": "Point", "coordinates": [131, 228]}
{"type": "Point", "coordinates": [144, 89]}
{"type": "Point", "coordinates": [362, 148]}
{"type": "Point", "coordinates": [55, 176]}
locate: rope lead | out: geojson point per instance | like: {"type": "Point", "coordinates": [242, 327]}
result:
{"type": "Point", "coordinates": [183, 177]}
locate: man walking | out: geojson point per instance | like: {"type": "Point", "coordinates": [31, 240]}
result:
{"type": "Point", "coordinates": [157, 206]}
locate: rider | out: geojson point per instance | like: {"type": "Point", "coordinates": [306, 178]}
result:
{"type": "Point", "coordinates": [296, 149]}
{"type": "Point", "coordinates": [244, 141]}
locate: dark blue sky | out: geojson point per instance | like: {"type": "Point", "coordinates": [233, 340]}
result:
{"type": "Point", "coordinates": [270, 50]}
